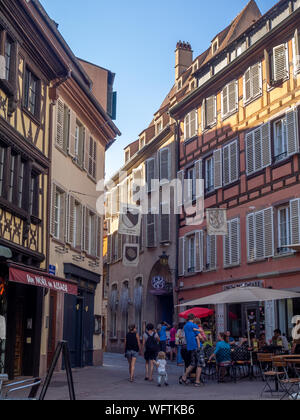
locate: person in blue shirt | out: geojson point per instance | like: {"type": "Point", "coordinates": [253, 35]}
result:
{"type": "Point", "coordinates": [195, 355]}
{"type": "Point", "coordinates": [222, 354]}
{"type": "Point", "coordinates": [163, 336]}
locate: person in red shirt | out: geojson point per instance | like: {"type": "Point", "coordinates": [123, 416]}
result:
{"type": "Point", "coordinates": [173, 332]}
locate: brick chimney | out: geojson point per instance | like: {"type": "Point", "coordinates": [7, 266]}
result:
{"type": "Point", "coordinates": [183, 58]}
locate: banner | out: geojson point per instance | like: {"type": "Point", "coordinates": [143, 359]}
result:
{"type": "Point", "coordinates": [131, 253]}
{"type": "Point", "coordinates": [217, 222]}
{"type": "Point", "coordinates": [129, 220]}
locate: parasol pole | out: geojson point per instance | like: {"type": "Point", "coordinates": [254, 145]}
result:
{"type": "Point", "coordinates": [249, 343]}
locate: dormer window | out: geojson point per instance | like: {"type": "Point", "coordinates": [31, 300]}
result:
{"type": "Point", "coordinates": [215, 46]}
{"type": "Point", "coordinates": [159, 127]}
{"type": "Point", "coordinates": [179, 84]}
{"type": "Point", "coordinates": [127, 155]}
{"type": "Point", "coordinates": [142, 142]}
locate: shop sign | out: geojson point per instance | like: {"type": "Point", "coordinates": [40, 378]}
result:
{"type": "Point", "coordinates": [258, 283]}
{"type": "Point", "coordinates": [40, 280]}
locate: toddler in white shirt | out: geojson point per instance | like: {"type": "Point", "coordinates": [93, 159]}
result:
{"type": "Point", "coordinates": [161, 365]}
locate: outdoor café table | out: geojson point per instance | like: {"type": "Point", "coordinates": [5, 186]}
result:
{"type": "Point", "coordinates": [292, 362]}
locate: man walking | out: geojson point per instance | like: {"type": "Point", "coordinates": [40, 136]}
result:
{"type": "Point", "coordinates": [195, 356]}
{"type": "Point", "coordinates": [163, 336]}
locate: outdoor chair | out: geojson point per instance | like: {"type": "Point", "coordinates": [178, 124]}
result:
{"type": "Point", "coordinates": [32, 384]}
{"type": "Point", "coordinates": [265, 362]}
{"type": "Point", "coordinates": [210, 370]}
{"type": "Point", "coordinates": [242, 361]}
{"type": "Point", "coordinates": [291, 385]}
{"type": "Point", "coordinates": [276, 374]}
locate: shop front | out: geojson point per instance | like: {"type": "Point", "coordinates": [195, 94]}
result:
{"type": "Point", "coordinates": [22, 292]}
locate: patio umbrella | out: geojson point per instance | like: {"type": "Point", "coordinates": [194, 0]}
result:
{"type": "Point", "coordinates": [198, 312]}
{"type": "Point", "coordinates": [243, 294]}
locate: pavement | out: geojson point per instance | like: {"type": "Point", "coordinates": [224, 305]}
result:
{"type": "Point", "coordinates": [110, 382]}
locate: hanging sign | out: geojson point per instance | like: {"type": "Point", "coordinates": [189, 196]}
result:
{"type": "Point", "coordinates": [129, 220]}
{"type": "Point", "coordinates": [217, 222]}
{"type": "Point", "coordinates": [131, 253]}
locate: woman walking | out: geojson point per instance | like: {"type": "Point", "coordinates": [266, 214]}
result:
{"type": "Point", "coordinates": [132, 349]}
{"type": "Point", "coordinates": [151, 349]}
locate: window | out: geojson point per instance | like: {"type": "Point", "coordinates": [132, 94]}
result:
{"type": "Point", "coordinates": [252, 83]}
{"type": "Point", "coordinates": [8, 57]}
{"type": "Point", "coordinates": [191, 254]}
{"type": "Point", "coordinates": [79, 142]}
{"type": "Point", "coordinates": [209, 112]}
{"type": "Point", "coordinates": [286, 135]}
{"type": "Point", "coordinates": [229, 99]}
{"type": "Point", "coordinates": [295, 221]}
{"type": "Point", "coordinates": [58, 213]}
{"type": "Point", "coordinates": [209, 174]}
{"type": "Point", "coordinates": [191, 184]}
{"type": "Point", "coordinates": [280, 140]}
{"type": "Point", "coordinates": [231, 244]}
{"type": "Point", "coordinates": [34, 195]}
{"type": "Point", "coordinates": [230, 163]}
{"type": "Point", "coordinates": [191, 125]}
{"type": "Point", "coordinates": [159, 127]}
{"type": "Point", "coordinates": [127, 155]}
{"type": "Point", "coordinates": [57, 216]}
{"type": "Point", "coordinates": [151, 230]}
{"type": "Point", "coordinates": [260, 235]}
{"type": "Point", "coordinates": [31, 97]}
{"type": "Point", "coordinates": [2, 158]}
{"type": "Point", "coordinates": [211, 252]}
{"type": "Point", "coordinates": [21, 184]}
{"type": "Point", "coordinates": [165, 164]}
{"type": "Point", "coordinates": [165, 231]}
{"type": "Point", "coordinates": [150, 174]}
{"type": "Point", "coordinates": [296, 51]}
{"type": "Point", "coordinates": [75, 223]}
{"type": "Point", "coordinates": [215, 46]}
{"type": "Point", "coordinates": [258, 149]}
{"type": "Point", "coordinates": [283, 229]}
{"type": "Point", "coordinates": [277, 63]}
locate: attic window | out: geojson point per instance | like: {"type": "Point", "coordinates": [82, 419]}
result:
{"type": "Point", "coordinates": [142, 142]}
{"type": "Point", "coordinates": [179, 84]}
{"type": "Point", "coordinates": [127, 155]}
{"type": "Point", "coordinates": [215, 46]}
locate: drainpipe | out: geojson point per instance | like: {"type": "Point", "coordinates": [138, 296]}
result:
{"type": "Point", "coordinates": [177, 157]}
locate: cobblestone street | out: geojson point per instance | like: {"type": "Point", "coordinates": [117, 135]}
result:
{"type": "Point", "coordinates": [110, 382]}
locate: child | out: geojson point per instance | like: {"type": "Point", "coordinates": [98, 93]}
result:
{"type": "Point", "coordinates": [200, 334]}
{"type": "Point", "coordinates": [161, 364]}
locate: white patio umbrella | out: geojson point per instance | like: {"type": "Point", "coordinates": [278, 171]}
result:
{"type": "Point", "coordinates": [243, 294]}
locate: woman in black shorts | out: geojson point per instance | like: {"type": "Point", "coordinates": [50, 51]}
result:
{"type": "Point", "coordinates": [151, 349]}
{"type": "Point", "coordinates": [132, 349]}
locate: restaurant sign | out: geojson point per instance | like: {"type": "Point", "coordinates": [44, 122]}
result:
{"type": "Point", "coordinates": [41, 280]}
{"type": "Point", "coordinates": [259, 283]}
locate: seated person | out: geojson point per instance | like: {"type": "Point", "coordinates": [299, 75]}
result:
{"type": "Point", "coordinates": [231, 339]}
{"type": "Point", "coordinates": [262, 342]}
{"type": "Point", "coordinates": [222, 354]}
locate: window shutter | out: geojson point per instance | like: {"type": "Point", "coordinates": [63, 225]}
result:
{"type": "Point", "coordinates": [226, 165]}
{"type": "Point", "coordinates": [186, 256]}
{"type": "Point", "coordinates": [210, 111]}
{"type": "Point", "coordinates": [151, 230]}
{"type": "Point", "coordinates": [280, 62]}
{"type": "Point", "coordinates": [232, 96]}
{"type": "Point", "coordinates": [164, 164]}
{"type": "Point", "coordinates": [292, 131]}
{"type": "Point", "coordinates": [212, 251]}
{"type": "Point", "coordinates": [71, 219]}
{"type": "Point", "coordinates": [53, 209]}
{"type": "Point", "coordinates": [60, 123]}
{"type": "Point", "coordinates": [224, 101]}
{"type": "Point", "coordinates": [86, 231]}
{"type": "Point", "coordinates": [295, 221]}
{"type": "Point", "coordinates": [86, 160]}
{"type": "Point", "coordinates": [247, 85]}
{"type": "Point", "coordinates": [250, 160]}
{"type": "Point", "coordinates": [268, 67]}
{"type": "Point", "coordinates": [256, 80]}
{"type": "Point", "coordinates": [199, 178]}
{"type": "Point", "coordinates": [251, 237]}
{"type": "Point", "coordinates": [72, 133]}
{"type": "Point", "coordinates": [268, 233]}
{"type": "Point", "coordinates": [226, 247]}
{"type": "Point", "coordinates": [187, 127]}
{"type": "Point", "coordinates": [150, 173]}
{"type": "Point", "coordinates": [181, 268]}
{"type": "Point", "coordinates": [259, 235]}
{"type": "Point", "coordinates": [62, 227]}
{"type": "Point", "coordinates": [258, 149]}
{"type": "Point", "coordinates": [109, 249]}
{"type": "Point", "coordinates": [235, 242]}
{"type": "Point", "coordinates": [218, 168]}
{"type": "Point", "coordinates": [180, 190]}
{"type": "Point", "coordinates": [266, 145]}
{"type": "Point", "coordinates": [203, 115]}
{"type": "Point", "coordinates": [234, 161]}
{"type": "Point", "coordinates": [193, 123]}
{"type": "Point", "coordinates": [99, 243]}
{"type": "Point", "coordinates": [165, 223]}
{"type": "Point", "coordinates": [297, 50]}
{"type": "Point", "coordinates": [79, 226]}
{"type": "Point", "coordinates": [199, 251]}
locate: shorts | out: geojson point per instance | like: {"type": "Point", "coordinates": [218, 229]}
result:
{"type": "Point", "coordinates": [197, 358]}
{"type": "Point", "coordinates": [163, 346]}
{"type": "Point", "coordinates": [130, 354]}
{"type": "Point", "coordinates": [150, 355]}
{"type": "Point", "coordinates": [172, 344]}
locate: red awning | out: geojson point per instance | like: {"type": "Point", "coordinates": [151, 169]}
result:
{"type": "Point", "coordinates": [39, 279]}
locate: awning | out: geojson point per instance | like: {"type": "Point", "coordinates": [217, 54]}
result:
{"type": "Point", "coordinates": [37, 278]}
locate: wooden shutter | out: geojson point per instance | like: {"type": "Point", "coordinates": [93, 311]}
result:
{"type": "Point", "coordinates": [71, 220]}
{"type": "Point", "coordinates": [224, 101]}
{"type": "Point", "coordinates": [256, 80]}
{"type": "Point", "coordinates": [266, 158]}
{"type": "Point", "coordinates": [165, 223]}
{"type": "Point", "coordinates": [186, 255]}
{"type": "Point", "coordinates": [181, 267]}
{"type": "Point", "coordinates": [62, 221]}
{"type": "Point", "coordinates": [280, 62]}
{"type": "Point", "coordinates": [109, 249]}
{"type": "Point", "coordinates": [226, 247]}
{"type": "Point", "coordinates": [259, 235]}
{"type": "Point", "coordinates": [292, 131]}
{"type": "Point", "coordinates": [150, 173]}
{"type": "Point", "coordinates": [187, 127]}
{"type": "Point", "coordinates": [53, 198]}
{"type": "Point", "coordinates": [232, 96]}
{"type": "Point", "coordinates": [60, 107]}
{"type": "Point", "coordinates": [180, 190]}
{"type": "Point", "coordinates": [218, 168]}
{"type": "Point", "coordinates": [247, 85]}
{"type": "Point", "coordinates": [199, 178]}
{"type": "Point", "coordinates": [210, 111]}
{"type": "Point", "coordinates": [86, 151]}
{"type": "Point", "coordinates": [199, 251]}
{"type": "Point", "coordinates": [226, 165]}
{"type": "Point", "coordinates": [193, 123]}
{"type": "Point", "coordinates": [151, 230]}
{"type": "Point", "coordinates": [99, 242]}
{"type": "Point", "coordinates": [235, 241]}
{"type": "Point", "coordinates": [211, 243]}
{"type": "Point", "coordinates": [297, 50]}
{"type": "Point", "coordinates": [268, 233]}
{"type": "Point", "coordinates": [250, 158]}
{"type": "Point", "coordinates": [86, 229]}
{"type": "Point", "coordinates": [295, 221]}
{"type": "Point", "coordinates": [268, 67]}
{"type": "Point", "coordinates": [258, 149]}
{"type": "Point", "coordinates": [72, 133]}
{"type": "Point", "coordinates": [251, 245]}
{"type": "Point", "coordinates": [234, 161]}
{"type": "Point", "coordinates": [79, 225]}
{"type": "Point", "coordinates": [164, 164]}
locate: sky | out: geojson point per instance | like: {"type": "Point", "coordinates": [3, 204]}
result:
{"type": "Point", "coordinates": [136, 39]}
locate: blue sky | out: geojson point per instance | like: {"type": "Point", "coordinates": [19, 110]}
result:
{"type": "Point", "coordinates": [136, 39]}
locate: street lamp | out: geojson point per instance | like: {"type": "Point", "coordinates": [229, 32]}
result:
{"type": "Point", "coordinates": [164, 259]}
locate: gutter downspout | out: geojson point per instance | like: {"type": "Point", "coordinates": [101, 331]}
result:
{"type": "Point", "coordinates": [177, 155]}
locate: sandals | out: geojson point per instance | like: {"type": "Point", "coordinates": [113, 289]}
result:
{"type": "Point", "coordinates": [182, 381]}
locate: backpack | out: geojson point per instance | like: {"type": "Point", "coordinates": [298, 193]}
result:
{"type": "Point", "coordinates": [151, 343]}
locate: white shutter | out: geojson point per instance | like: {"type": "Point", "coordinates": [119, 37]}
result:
{"type": "Point", "coordinates": [232, 96]}
{"type": "Point", "coordinates": [86, 230]}
{"type": "Point", "coordinates": [234, 161]}
{"type": "Point", "coordinates": [256, 80]}
{"type": "Point", "coordinates": [247, 86]}
{"type": "Point", "coordinates": [72, 133]}
{"type": "Point", "coordinates": [150, 173]}
{"type": "Point", "coordinates": [258, 149]}
{"type": "Point", "coordinates": [180, 190]}
{"type": "Point", "coordinates": [250, 157]}
{"type": "Point", "coordinates": [251, 240]}
{"type": "Point", "coordinates": [71, 220]}
{"type": "Point", "coordinates": [164, 163]}
{"type": "Point", "coordinates": [292, 131]}
{"type": "Point", "coordinates": [181, 265]}
{"type": "Point", "coordinates": [235, 242]}
{"type": "Point", "coordinates": [60, 107]}
{"type": "Point", "coordinates": [187, 127]}
{"type": "Point", "coordinates": [226, 165]}
{"type": "Point", "coordinates": [199, 177]}
{"type": "Point", "coordinates": [295, 221]}
{"type": "Point", "coordinates": [296, 51]}
{"type": "Point", "coordinates": [266, 158]}
{"type": "Point", "coordinates": [268, 233]}
{"type": "Point", "coordinates": [151, 230]}
{"type": "Point", "coordinates": [165, 234]}
{"type": "Point", "coordinates": [259, 235]}
{"type": "Point", "coordinates": [226, 247]}
{"type": "Point", "coordinates": [280, 55]}
{"type": "Point", "coordinates": [211, 243]}
{"type": "Point", "coordinates": [199, 251]}
{"type": "Point", "coordinates": [224, 101]}
{"type": "Point", "coordinates": [193, 123]}
{"type": "Point", "coordinates": [218, 168]}
{"type": "Point", "coordinates": [210, 111]}
{"type": "Point", "coordinates": [53, 203]}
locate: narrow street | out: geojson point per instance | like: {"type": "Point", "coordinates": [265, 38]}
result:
{"type": "Point", "coordinates": [110, 382]}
